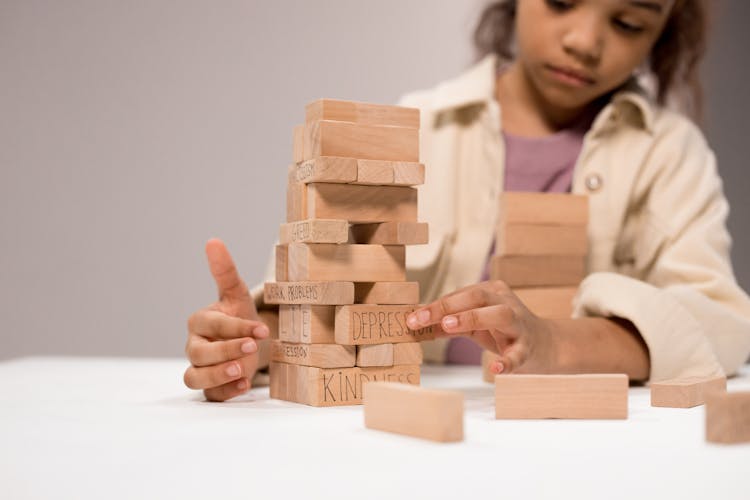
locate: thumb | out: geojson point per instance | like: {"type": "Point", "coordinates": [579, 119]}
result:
{"type": "Point", "coordinates": [510, 359]}
{"type": "Point", "coordinates": [228, 281]}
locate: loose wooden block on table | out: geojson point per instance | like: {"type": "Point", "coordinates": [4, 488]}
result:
{"type": "Point", "coordinates": [407, 353]}
{"type": "Point", "coordinates": [728, 417]}
{"type": "Point", "coordinates": [298, 144]}
{"type": "Point", "coordinates": [361, 112]}
{"type": "Point", "coordinates": [307, 324]}
{"type": "Point", "coordinates": [319, 355]}
{"type": "Point", "coordinates": [375, 355]}
{"type": "Point", "coordinates": [535, 239]}
{"type": "Point", "coordinates": [544, 208]}
{"type": "Point", "coordinates": [309, 292]}
{"type": "Point", "coordinates": [314, 231]}
{"type": "Point", "coordinates": [360, 324]}
{"type": "Point", "coordinates": [325, 169]}
{"type": "Point", "coordinates": [327, 262]}
{"type": "Point", "coordinates": [686, 392]}
{"type": "Point", "coordinates": [436, 415]}
{"type": "Point", "coordinates": [602, 396]}
{"type": "Point", "coordinates": [387, 293]}
{"type": "Point", "coordinates": [332, 386]}
{"type": "Point", "coordinates": [538, 270]}
{"type": "Point", "coordinates": [488, 357]}
{"type": "Point", "coordinates": [366, 142]}
{"type": "Point", "coordinates": [282, 263]}
{"type": "Point", "coordinates": [390, 233]}
{"type": "Point", "coordinates": [548, 302]}
{"type": "Point", "coordinates": [360, 204]}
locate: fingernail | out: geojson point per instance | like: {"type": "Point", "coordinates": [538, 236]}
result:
{"type": "Point", "coordinates": [499, 367]}
{"type": "Point", "coordinates": [450, 322]}
{"type": "Point", "coordinates": [261, 331]}
{"type": "Point", "coordinates": [242, 385]}
{"type": "Point", "coordinates": [424, 316]}
{"type": "Point", "coordinates": [249, 347]}
{"type": "Point", "coordinates": [412, 321]}
{"type": "Point", "coordinates": [233, 370]}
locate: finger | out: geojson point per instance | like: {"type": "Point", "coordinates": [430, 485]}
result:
{"type": "Point", "coordinates": [496, 317]}
{"type": "Point", "coordinates": [205, 377]}
{"type": "Point", "coordinates": [231, 287]}
{"type": "Point", "coordinates": [202, 352]}
{"type": "Point", "coordinates": [217, 325]}
{"type": "Point", "coordinates": [511, 359]}
{"type": "Point", "coordinates": [473, 297]}
{"type": "Point", "coordinates": [228, 390]}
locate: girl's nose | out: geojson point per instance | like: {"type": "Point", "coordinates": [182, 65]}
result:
{"type": "Point", "coordinates": [584, 41]}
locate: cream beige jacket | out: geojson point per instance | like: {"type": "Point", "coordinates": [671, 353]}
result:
{"type": "Point", "coordinates": [658, 243]}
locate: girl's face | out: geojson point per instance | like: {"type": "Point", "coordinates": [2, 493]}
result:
{"type": "Point", "coordinates": [574, 51]}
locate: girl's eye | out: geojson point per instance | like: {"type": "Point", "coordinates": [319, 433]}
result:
{"type": "Point", "coordinates": [627, 27]}
{"type": "Point", "coordinates": [559, 5]}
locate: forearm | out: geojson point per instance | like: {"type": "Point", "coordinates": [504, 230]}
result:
{"type": "Point", "coordinates": [597, 345]}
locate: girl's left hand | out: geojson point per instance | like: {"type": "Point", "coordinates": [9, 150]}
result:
{"type": "Point", "coordinates": [496, 319]}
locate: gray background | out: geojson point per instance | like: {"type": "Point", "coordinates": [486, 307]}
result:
{"type": "Point", "coordinates": [131, 132]}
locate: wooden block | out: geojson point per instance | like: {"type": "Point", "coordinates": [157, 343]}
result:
{"type": "Point", "coordinates": [360, 324]}
{"type": "Point", "coordinates": [307, 324]}
{"type": "Point", "coordinates": [408, 174]}
{"type": "Point", "coordinates": [390, 233]}
{"type": "Point", "coordinates": [366, 142]}
{"type": "Point", "coordinates": [544, 208]}
{"type": "Point", "coordinates": [282, 262]}
{"type": "Point", "coordinates": [375, 355]}
{"type": "Point", "coordinates": [374, 172]}
{"type": "Point", "coordinates": [296, 201]}
{"type": "Point", "coordinates": [594, 396]}
{"type": "Point", "coordinates": [326, 262]}
{"type": "Point", "coordinates": [298, 144]}
{"type": "Point", "coordinates": [320, 355]}
{"type": "Point", "coordinates": [385, 292]}
{"type": "Point", "coordinates": [314, 231]}
{"type": "Point", "coordinates": [548, 302]}
{"type": "Point", "coordinates": [325, 169]}
{"type": "Point", "coordinates": [332, 386]}
{"type": "Point", "coordinates": [538, 270]}
{"type": "Point", "coordinates": [407, 353]}
{"type": "Point", "coordinates": [361, 204]}
{"type": "Point", "coordinates": [488, 357]}
{"type": "Point", "coordinates": [536, 239]}
{"type": "Point", "coordinates": [360, 112]}
{"type": "Point", "coordinates": [437, 415]}
{"type": "Point", "coordinates": [728, 417]}
{"type": "Point", "coordinates": [309, 292]}
{"type": "Point", "coordinates": [686, 392]}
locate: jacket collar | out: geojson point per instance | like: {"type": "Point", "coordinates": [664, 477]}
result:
{"type": "Point", "coordinates": [631, 104]}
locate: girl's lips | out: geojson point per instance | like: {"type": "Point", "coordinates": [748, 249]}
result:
{"type": "Point", "coordinates": [570, 77]}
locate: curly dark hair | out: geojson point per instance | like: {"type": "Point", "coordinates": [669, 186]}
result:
{"type": "Point", "coordinates": [674, 60]}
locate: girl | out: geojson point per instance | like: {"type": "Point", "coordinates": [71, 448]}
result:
{"type": "Point", "coordinates": [554, 105]}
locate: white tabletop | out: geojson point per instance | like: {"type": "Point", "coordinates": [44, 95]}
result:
{"type": "Point", "coordinates": [127, 428]}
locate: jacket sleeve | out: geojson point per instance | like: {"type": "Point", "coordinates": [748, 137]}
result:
{"type": "Point", "coordinates": [681, 293]}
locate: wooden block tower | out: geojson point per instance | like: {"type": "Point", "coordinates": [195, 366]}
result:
{"type": "Point", "coordinates": [540, 252]}
{"type": "Point", "coordinates": [340, 263]}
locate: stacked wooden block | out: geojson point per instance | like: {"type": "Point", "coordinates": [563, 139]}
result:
{"type": "Point", "coordinates": [340, 263]}
{"type": "Point", "coordinates": [540, 252]}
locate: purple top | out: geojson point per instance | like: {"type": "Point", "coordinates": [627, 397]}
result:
{"type": "Point", "coordinates": [539, 164]}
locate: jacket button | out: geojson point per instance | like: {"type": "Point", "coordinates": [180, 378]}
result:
{"type": "Point", "coordinates": [594, 182]}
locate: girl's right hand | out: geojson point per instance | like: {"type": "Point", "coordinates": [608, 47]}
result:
{"type": "Point", "coordinates": [221, 342]}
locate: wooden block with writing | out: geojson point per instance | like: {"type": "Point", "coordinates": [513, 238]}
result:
{"type": "Point", "coordinates": [361, 204]}
{"type": "Point", "coordinates": [595, 396]}
{"type": "Point", "coordinates": [544, 208]}
{"type": "Point", "coordinates": [314, 231]}
{"type": "Point", "coordinates": [538, 270]}
{"type": "Point", "coordinates": [309, 292]}
{"type": "Point", "coordinates": [437, 415]}
{"type": "Point", "coordinates": [282, 262]}
{"type": "Point", "coordinates": [296, 201]}
{"type": "Point", "coordinates": [537, 239]}
{"type": "Point", "coordinates": [298, 144]}
{"type": "Point", "coordinates": [385, 292]}
{"type": "Point", "coordinates": [548, 302]}
{"type": "Point", "coordinates": [326, 262]}
{"type": "Point", "coordinates": [407, 353]}
{"type": "Point", "coordinates": [307, 324]}
{"type": "Point", "coordinates": [324, 169]}
{"type": "Point", "coordinates": [390, 233]}
{"type": "Point", "coordinates": [361, 112]}
{"type": "Point", "coordinates": [361, 324]}
{"type": "Point", "coordinates": [728, 417]}
{"type": "Point", "coordinates": [375, 355]}
{"type": "Point", "coordinates": [366, 142]}
{"type": "Point", "coordinates": [686, 392]}
{"type": "Point", "coordinates": [332, 386]}
{"type": "Point", "coordinates": [320, 355]}
{"type": "Point", "coordinates": [488, 357]}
